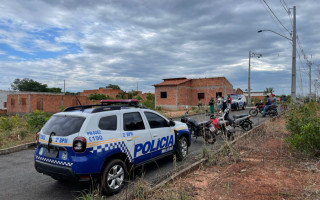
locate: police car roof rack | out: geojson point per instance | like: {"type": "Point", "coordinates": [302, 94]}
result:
{"type": "Point", "coordinates": [124, 102]}
{"type": "Point", "coordinates": [79, 107]}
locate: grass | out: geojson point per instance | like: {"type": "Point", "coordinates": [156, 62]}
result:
{"type": "Point", "coordinates": [16, 130]}
{"type": "Point", "coordinates": [16, 133]}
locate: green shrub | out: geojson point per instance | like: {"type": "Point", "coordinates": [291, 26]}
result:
{"type": "Point", "coordinates": [149, 103]}
{"type": "Point", "coordinates": [37, 119]}
{"type": "Point", "coordinates": [7, 123]}
{"type": "Point", "coordinates": [96, 96]}
{"type": "Point", "coordinates": [304, 124]}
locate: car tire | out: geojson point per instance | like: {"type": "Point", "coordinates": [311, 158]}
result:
{"type": "Point", "coordinates": [244, 106]}
{"type": "Point", "coordinates": [182, 149]}
{"type": "Point", "coordinates": [114, 177]}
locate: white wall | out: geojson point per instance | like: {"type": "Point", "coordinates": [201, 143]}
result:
{"type": "Point", "coordinates": [3, 98]}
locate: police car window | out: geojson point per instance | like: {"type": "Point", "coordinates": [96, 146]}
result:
{"type": "Point", "coordinates": [156, 121]}
{"type": "Point", "coordinates": [108, 123]}
{"type": "Point", "coordinates": [63, 125]}
{"type": "Point", "coordinates": [132, 121]}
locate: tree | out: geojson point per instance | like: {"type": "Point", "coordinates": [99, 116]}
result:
{"type": "Point", "coordinates": [54, 90]}
{"type": "Point", "coordinates": [268, 91]}
{"type": "Point", "coordinates": [132, 94]}
{"type": "Point", "coordinates": [112, 86]}
{"type": "Point", "coordinates": [139, 98]}
{"type": "Point", "coordinates": [96, 96]}
{"type": "Point", "coordinates": [121, 95]}
{"type": "Point", "coordinates": [29, 85]}
{"type": "Point", "coordinates": [149, 103]}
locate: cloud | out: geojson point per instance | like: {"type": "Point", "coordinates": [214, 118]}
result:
{"type": "Point", "coordinates": [91, 43]}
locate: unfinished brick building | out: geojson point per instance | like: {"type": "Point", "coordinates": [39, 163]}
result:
{"type": "Point", "coordinates": [177, 93]}
{"type": "Point", "coordinates": [26, 102]}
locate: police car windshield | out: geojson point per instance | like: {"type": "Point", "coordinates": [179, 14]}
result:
{"type": "Point", "coordinates": [63, 125]}
{"type": "Point", "coordinates": [234, 96]}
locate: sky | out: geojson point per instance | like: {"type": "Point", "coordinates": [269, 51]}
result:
{"type": "Point", "coordinates": [137, 43]}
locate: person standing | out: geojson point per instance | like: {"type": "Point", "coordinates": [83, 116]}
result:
{"type": "Point", "coordinates": [267, 106]}
{"type": "Point", "coordinates": [219, 103]}
{"type": "Point", "coordinates": [199, 104]}
{"type": "Point", "coordinates": [274, 99]}
{"type": "Point", "coordinates": [211, 104]}
{"type": "Point", "coordinates": [229, 102]}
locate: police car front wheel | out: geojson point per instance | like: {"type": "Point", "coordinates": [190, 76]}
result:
{"type": "Point", "coordinates": [182, 150]}
{"type": "Point", "coordinates": [114, 176]}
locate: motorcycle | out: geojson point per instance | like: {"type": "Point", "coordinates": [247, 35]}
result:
{"type": "Point", "coordinates": [222, 127]}
{"type": "Point", "coordinates": [203, 129]}
{"type": "Point", "coordinates": [224, 124]}
{"type": "Point", "coordinates": [272, 111]}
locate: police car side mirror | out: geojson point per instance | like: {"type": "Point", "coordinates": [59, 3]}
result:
{"type": "Point", "coordinates": [172, 123]}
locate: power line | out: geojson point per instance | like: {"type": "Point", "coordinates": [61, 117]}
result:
{"type": "Point", "coordinates": [287, 10]}
{"type": "Point", "coordinates": [271, 16]}
{"type": "Point", "coordinates": [276, 16]}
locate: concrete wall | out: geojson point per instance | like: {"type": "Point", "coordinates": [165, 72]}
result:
{"type": "Point", "coordinates": [3, 100]}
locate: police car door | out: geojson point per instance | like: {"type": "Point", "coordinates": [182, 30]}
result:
{"type": "Point", "coordinates": [137, 136]}
{"type": "Point", "coordinates": [161, 133]}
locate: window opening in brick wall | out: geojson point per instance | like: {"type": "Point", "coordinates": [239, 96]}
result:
{"type": "Point", "coordinates": [4, 104]}
{"type": "Point", "coordinates": [200, 95]}
{"type": "Point", "coordinates": [218, 94]}
{"type": "Point", "coordinates": [163, 95]}
{"type": "Point", "coordinates": [23, 101]}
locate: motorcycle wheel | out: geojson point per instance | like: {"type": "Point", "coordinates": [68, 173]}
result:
{"type": "Point", "coordinates": [230, 136]}
{"type": "Point", "coordinates": [209, 137]}
{"type": "Point", "coordinates": [253, 112]}
{"type": "Point", "coordinates": [246, 126]}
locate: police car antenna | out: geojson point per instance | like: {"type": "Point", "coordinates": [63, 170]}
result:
{"type": "Point", "coordinates": [78, 100]}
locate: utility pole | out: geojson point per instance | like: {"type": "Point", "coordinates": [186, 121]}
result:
{"type": "Point", "coordinates": [249, 79]}
{"type": "Point", "coordinates": [294, 40]}
{"type": "Point", "coordinates": [316, 89]}
{"type": "Point", "coordinates": [309, 63]}
{"type": "Point", "coordinates": [251, 54]}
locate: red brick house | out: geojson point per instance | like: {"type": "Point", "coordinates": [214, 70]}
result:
{"type": "Point", "coordinates": [177, 93]}
{"type": "Point", "coordinates": [239, 91]}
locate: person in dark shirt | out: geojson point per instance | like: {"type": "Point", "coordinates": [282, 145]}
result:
{"type": "Point", "coordinates": [211, 104]}
{"type": "Point", "coordinates": [267, 106]}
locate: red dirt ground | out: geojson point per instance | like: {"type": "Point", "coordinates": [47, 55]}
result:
{"type": "Point", "coordinates": [262, 168]}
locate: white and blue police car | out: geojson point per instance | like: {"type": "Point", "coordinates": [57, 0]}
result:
{"type": "Point", "coordinates": [105, 141]}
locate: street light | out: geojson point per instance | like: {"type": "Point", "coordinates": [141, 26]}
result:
{"type": "Point", "coordinates": [275, 33]}
{"type": "Point", "coordinates": [293, 40]}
